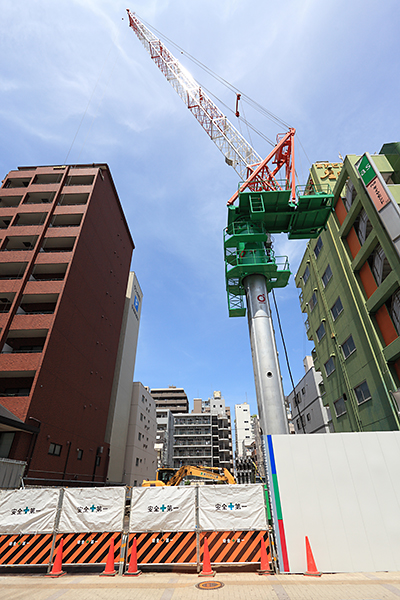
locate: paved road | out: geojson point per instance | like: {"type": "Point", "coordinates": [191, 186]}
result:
{"type": "Point", "coordinates": [175, 586]}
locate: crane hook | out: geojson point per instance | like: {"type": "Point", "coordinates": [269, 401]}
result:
{"type": "Point", "coordinates": [237, 105]}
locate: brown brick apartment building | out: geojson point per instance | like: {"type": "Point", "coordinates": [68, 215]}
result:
{"type": "Point", "coordinates": [65, 253]}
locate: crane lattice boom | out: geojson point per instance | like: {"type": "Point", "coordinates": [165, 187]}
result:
{"type": "Point", "coordinates": [237, 151]}
{"type": "Point", "coordinates": [252, 170]}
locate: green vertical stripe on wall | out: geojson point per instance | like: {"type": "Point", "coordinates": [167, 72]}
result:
{"type": "Point", "coordinates": [277, 497]}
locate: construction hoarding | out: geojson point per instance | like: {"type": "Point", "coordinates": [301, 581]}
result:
{"type": "Point", "coordinates": [341, 490]}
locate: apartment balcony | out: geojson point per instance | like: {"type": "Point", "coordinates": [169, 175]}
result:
{"type": "Point", "coordinates": [17, 246]}
{"type": "Point", "coordinates": [49, 272]}
{"type": "Point", "coordinates": [191, 454]}
{"type": "Point", "coordinates": [191, 422]}
{"type": "Point", "coordinates": [66, 221]}
{"type": "Point", "coordinates": [189, 432]}
{"type": "Point", "coordinates": [57, 243]}
{"type": "Point", "coordinates": [46, 196]}
{"type": "Point", "coordinates": [29, 219]}
{"type": "Point", "coordinates": [10, 200]}
{"type": "Point", "coordinates": [46, 180]}
{"type": "Point", "coordinates": [185, 444]}
{"type": "Point", "coordinates": [79, 180]}
{"type": "Point", "coordinates": [5, 221]}
{"type": "Point", "coordinates": [72, 197]}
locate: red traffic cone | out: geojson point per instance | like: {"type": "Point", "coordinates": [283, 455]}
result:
{"type": "Point", "coordinates": [109, 571]}
{"type": "Point", "coordinates": [311, 566]}
{"type": "Point", "coordinates": [264, 566]}
{"type": "Point", "coordinates": [207, 571]}
{"type": "Point", "coordinates": [57, 571]}
{"type": "Point", "coordinates": [132, 569]}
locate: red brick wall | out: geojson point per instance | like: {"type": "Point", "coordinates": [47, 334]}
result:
{"type": "Point", "coordinates": [73, 388]}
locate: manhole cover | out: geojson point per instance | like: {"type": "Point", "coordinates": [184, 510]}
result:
{"type": "Point", "coordinates": [209, 585]}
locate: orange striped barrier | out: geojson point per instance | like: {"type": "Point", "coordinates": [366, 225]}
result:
{"type": "Point", "coordinates": [165, 547]}
{"type": "Point", "coordinates": [89, 548]}
{"type": "Point", "coordinates": [25, 549]}
{"type": "Point", "coordinates": [234, 546]}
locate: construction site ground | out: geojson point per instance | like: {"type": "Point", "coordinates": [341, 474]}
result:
{"type": "Point", "coordinates": [177, 586]}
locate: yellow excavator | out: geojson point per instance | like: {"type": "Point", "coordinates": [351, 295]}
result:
{"type": "Point", "coordinates": [189, 474]}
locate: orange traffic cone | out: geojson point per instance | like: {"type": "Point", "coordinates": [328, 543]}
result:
{"type": "Point", "coordinates": [207, 571]}
{"type": "Point", "coordinates": [109, 571]}
{"type": "Point", "coordinates": [264, 566]}
{"type": "Point", "coordinates": [132, 569]}
{"type": "Point", "coordinates": [57, 571]}
{"type": "Point", "coordinates": [311, 566]}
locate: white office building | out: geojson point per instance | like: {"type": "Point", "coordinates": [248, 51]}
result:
{"type": "Point", "coordinates": [243, 430]}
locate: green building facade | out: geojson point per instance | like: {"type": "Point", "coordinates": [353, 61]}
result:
{"type": "Point", "coordinates": [350, 290]}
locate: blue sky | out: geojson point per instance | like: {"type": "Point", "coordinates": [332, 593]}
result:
{"type": "Point", "coordinates": [78, 87]}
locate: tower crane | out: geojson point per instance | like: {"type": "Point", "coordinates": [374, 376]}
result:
{"type": "Point", "coordinates": [266, 205]}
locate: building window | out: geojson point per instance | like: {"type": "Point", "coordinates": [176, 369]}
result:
{"type": "Point", "coordinates": [141, 417]}
{"type": "Point", "coordinates": [336, 309]}
{"type": "Point", "coordinates": [139, 436]}
{"type": "Point", "coordinates": [318, 247]}
{"type": "Point", "coordinates": [313, 301]}
{"type": "Point", "coordinates": [350, 194]}
{"type": "Point", "coordinates": [306, 275]}
{"type": "Point", "coordinates": [320, 332]}
{"type": "Point", "coordinates": [327, 276]}
{"type": "Point", "coordinates": [135, 483]}
{"type": "Point", "coordinates": [340, 407]}
{"type": "Point", "coordinates": [55, 449]}
{"type": "Point", "coordinates": [329, 366]}
{"type": "Point", "coordinates": [362, 392]}
{"type": "Point", "coordinates": [362, 226]}
{"type": "Point", "coordinates": [137, 462]}
{"type": "Point", "coordinates": [80, 454]}
{"type": "Point", "coordinates": [379, 264]}
{"type": "Point", "coordinates": [303, 390]}
{"type": "Point", "coordinates": [395, 310]}
{"type": "Point", "coordinates": [348, 347]}
{"type": "Point", "coordinates": [308, 417]}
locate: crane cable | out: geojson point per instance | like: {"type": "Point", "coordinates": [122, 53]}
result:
{"type": "Point", "coordinates": [226, 83]}
{"type": "Point", "coordinates": [258, 107]}
{"type": "Point", "coordinates": [287, 356]}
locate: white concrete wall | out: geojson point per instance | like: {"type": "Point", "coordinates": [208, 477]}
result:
{"type": "Point", "coordinates": [243, 428]}
{"type": "Point", "coordinates": [341, 490]}
{"type": "Point", "coordinates": [140, 456]}
{"type": "Point", "coordinates": [120, 405]}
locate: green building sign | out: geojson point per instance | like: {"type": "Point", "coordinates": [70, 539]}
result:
{"type": "Point", "coordinates": [366, 170]}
